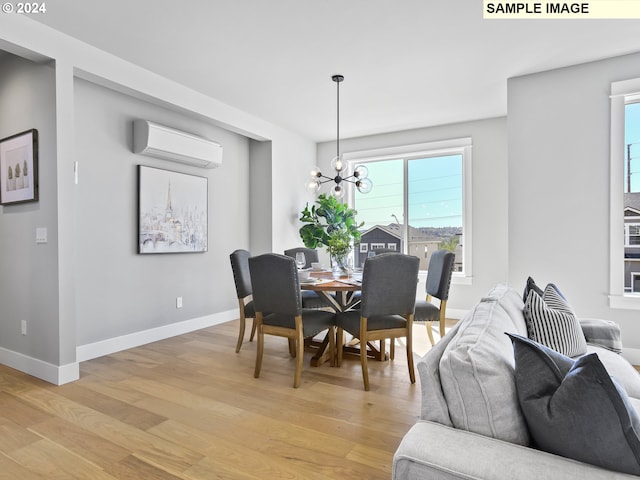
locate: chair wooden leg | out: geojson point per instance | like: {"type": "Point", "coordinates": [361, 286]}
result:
{"type": "Point", "coordinates": [340, 344]}
{"type": "Point", "coordinates": [299, 341]}
{"type": "Point", "coordinates": [260, 348]}
{"type": "Point", "coordinates": [430, 333]}
{"type": "Point", "coordinates": [292, 347]}
{"type": "Point", "coordinates": [253, 330]}
{"type": "Point", "coordinates": [443, 306]}
{"type": "Point", "coordinates": [392, 348]}
{"type": "Point", "coordinates": [363, 352]}
{"type": "Point", "coordinates": [412, 375]}
{"type": "Point", "coordinates": [241, 333]}
{"type": "Point", "coordinates": [383, 349]}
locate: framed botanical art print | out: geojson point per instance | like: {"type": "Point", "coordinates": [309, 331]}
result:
{"type": "Point", "coordinates": [19, 168]}
{"type": "Point", "coordinates": [172, 211]}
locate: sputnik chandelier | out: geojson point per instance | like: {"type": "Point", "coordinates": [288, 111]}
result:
{"type": "Point", "coordinates": [358, 178]}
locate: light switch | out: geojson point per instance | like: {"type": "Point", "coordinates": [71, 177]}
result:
{"type": "Point", "coordinates": [41, 235]}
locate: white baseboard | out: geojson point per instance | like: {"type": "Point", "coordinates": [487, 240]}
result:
{"type": "Point", "coordinates": [124, 342]}
{"type": "Point", "coordinates": [46, 371]}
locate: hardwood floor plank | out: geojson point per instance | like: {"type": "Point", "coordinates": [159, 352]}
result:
{"type": "Point", "coordinates": [189, 408]}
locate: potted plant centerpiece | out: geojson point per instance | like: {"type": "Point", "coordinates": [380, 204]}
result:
{"type": "Point", "coordinates": [333, 224]}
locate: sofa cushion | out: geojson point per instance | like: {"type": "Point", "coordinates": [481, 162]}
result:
{"type": "Point", "coordinates": [510, 301]}
{"type": "Point", "coordinates": [551, 321]}
{"type": "Point", "coordinates": [575, 409]}
{"type": "Point", "coordinates": [620, 369]}
{"type": "Point", "coordinates": [477, 376]}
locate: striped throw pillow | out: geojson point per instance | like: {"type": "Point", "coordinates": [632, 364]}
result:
{"type": "Point", "coordinates": [551, 322]}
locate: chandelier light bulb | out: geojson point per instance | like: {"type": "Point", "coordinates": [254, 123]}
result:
{"type": "Point", "coordinates": [337, 192]}
{"type": "Point", "coordinates": [365, 185]}
{"type": "Point", "coordinates": [361, 172]}
{"type": "Point", "coordinates": [316, 172]}
{"type": "Point", "coordinates": [337, 164]}
{"type": "Point", "coordinates": [312, 186]}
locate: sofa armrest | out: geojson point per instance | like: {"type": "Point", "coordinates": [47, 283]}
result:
{"type": "Point", "coordinates": [433, 451]}
{"type": "Point", "coordinates": [604, 333]}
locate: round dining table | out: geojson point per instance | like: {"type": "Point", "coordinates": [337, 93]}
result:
{"type": "Point", "coordinates": [340, 295]}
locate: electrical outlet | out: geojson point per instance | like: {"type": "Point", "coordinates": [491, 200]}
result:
{"type": "Point", "coordinates": [178, 302]}
{"type": "Point", "coordinates": [23, 327]}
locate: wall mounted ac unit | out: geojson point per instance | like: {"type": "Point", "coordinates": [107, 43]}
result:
{"type": "Point", "coordinates": [169, 144]}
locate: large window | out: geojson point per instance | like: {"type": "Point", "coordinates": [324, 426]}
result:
{"type": "Point", "coordinates": [625, 195]}
{"type": "Point", "coordinates": [420, 199]}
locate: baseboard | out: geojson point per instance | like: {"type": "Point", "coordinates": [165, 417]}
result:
{"type": "Point", "coordinates": [124, 342]}
{"type": "Point", "coordinates": [58, 375]}
{"type": "Point", "coordinates": [632, 355]}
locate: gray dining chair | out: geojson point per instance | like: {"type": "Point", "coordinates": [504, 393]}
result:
{"type": "Point", "coordinates": [276, 289]}
{"type": "Point", "coordinates": [240, 267]}
{"type": "Point", "coordinates": [309, 299]}
{"type": "Point", "coordinates": [310, 254]}
{"type": "Point", "coordinates": [438, 282]}
{"type": "Point", "coordinates": [389, 283]}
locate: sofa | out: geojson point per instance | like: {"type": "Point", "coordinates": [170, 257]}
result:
{"type": "Point", "coordinates": [471, 423]}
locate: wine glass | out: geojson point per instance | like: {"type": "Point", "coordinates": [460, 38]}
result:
{"type": "Point", "coordinates": [301, 260]}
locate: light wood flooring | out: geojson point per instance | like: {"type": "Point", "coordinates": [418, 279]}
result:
{"type": "Point", "coordinates": [189, 408]}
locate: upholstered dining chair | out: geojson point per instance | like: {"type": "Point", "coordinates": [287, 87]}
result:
{"type": "Point", "coordinates": [438, 283]}
{"type": "Point", "coordinates": [310, 254]}
{"type": "Point", "coordinates": [389, 283]}
{"type": "Point", "coordinates": [242, 278]}
{"type": "Point", "coordinates": [309, 299]}
{"type": "Point", "coordinates": [276, 289]}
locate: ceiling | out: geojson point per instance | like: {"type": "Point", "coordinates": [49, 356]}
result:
{"type": "Point", "coordinates": [407, 63]}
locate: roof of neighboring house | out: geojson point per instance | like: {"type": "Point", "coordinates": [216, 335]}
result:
{"type": "Point", "coordinates": [632, 201]}
{"type": "Point", "coordinates": [395, 230]}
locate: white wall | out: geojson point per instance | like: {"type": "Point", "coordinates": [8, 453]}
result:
{"type": "Point", "coordinates": [489, 196]}
{"type": "Point", "coordinates": [559, 184]}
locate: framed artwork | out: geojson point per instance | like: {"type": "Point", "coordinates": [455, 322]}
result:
{"type": "Point", "coordinates": [19, 168]}
{"type": "Point", "coordinates": [172, 211]}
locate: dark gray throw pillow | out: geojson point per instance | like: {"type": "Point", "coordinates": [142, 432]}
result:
{"type": "Point", "coordinates": [531, 285]}
{"type": "Point", "coordinates": [575, 409]}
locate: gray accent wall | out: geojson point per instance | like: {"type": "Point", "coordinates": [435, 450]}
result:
{"type": "Point", "coordinates": [118, 291]}
{"type": "Point", "coordinates": [29, 271]}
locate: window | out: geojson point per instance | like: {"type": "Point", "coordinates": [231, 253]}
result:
{"type": "Point", "coordinates": [364, 247]}
{"type": "Point", "coordinates": [632, 235]}
{"type": "Point", "coordinates": [427, 184]}
{"type": "Point", "coordinates": [377, 246]}
{"type": "Point", "coordinates": [624, 229]}
{"type": "Point", "coordinates": [392, 246]}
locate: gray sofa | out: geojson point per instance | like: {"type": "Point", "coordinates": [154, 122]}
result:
{"type": "Point", "coordinates": [471, 425]}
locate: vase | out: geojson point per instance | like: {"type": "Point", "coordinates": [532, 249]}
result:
{"type": "Point", "coordinates": [339, 265]}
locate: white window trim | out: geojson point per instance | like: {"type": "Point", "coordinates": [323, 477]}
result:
{"type": "Point", "coordinates": [364, 247]}
{"type": "Point", "coordinates": [437, 148]}
{"type": "Point", "coordinates": [621, 94]}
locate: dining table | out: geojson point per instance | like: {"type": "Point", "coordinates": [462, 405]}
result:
{"type": "Point", "coordinates": [340, 294]}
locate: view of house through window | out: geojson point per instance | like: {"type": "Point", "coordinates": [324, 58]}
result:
{"type": "Point", "coordinates": [632, 198]}
{"type": "Point", "coordinates": [428, 192]}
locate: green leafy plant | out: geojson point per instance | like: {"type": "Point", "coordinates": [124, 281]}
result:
{"type": "Point", "coordinates": [330, 223]}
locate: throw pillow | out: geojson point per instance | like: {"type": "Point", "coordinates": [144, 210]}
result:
{"type": "Point", "coordinates": [531, 285]}
{"type": "Point", "coordinates": [550, 321]}
{"type": "Point", "coordinates": [575, 409]}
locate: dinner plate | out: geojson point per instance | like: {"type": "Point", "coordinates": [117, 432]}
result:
{"type": "Point", "coordinates": [309, 280]}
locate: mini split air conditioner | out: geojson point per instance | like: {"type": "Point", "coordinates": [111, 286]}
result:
{"type": "Point", "coordinates": [169, 144]}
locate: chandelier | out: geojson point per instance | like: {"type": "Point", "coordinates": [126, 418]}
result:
{"type": "Point", "coordinates": [358, 178]}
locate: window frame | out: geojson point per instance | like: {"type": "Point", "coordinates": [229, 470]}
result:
{"type": "Point", "coordinates": [456, 146]}
{"type": "Point", "coordinates": [622, 93]}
